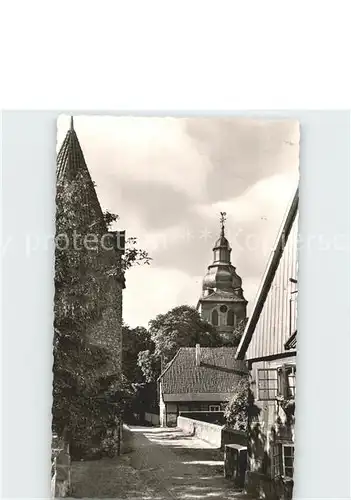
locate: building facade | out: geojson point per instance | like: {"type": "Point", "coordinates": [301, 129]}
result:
{"type": "Point", "coordinates": [222, 302]}
{"type": "Point", "coordinates": [269, 346]}
{"type": "Point", "coordinates": [198, 379]}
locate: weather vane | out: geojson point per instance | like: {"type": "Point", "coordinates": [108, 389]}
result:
{"type": "Point", "coordinates": [223, 219]}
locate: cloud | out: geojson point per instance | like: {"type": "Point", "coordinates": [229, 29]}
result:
{"type": "Point", "coordinates": [168, 179]}
{"type": "Point", "coordinates": [244, 151]}
{"type": "Point", "coordinates": [145, 150]}
{"type": "Point", "coordinates": [155, 205]}
{"type": "Point", "coordinates": [152, 291]}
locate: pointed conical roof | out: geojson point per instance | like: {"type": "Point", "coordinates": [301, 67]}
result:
{"type": "Point", "coordinates": [72, 169]}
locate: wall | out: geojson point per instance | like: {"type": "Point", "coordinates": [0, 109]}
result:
{"type": "Point", "coordinates": [107, 332]}
{"type": "Point", "coordinates": [239, 309]}
{"type": "Point", "coordinates": [264, 432]}
{"type": "Point", "coordinates": [197, 410]}
{"type": "Point", "coordinates": [231, 436]}
{"type": "Point", "coordinates": [273, 327]}
{"type": "Point", "coordinates": [152, 418]}
{"type": "Point", "coordinates": [261, 486]}
{"type": "Point", "coordinates": [162, 407]}
{"type": "Point", "coordinates": [268, 410]}
{"type": "Point", "coordinates": [203, 430]}
{"type": "Point", "coordinates": [213, 417]}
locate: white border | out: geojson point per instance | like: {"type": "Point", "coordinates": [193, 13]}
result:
{"type": "Point", "coordinates": [323, 397]}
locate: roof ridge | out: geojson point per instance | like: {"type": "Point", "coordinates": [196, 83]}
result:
{"type": "Point", "coordinates": [170, 363]}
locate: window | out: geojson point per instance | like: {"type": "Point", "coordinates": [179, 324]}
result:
{"type": "Point", "coordinates": [286, 376]}
{"type": "Point", "coordinates": [267, 384]}
{"type": "Point", "coordinates": [288, 460]}
{"type": "Point", "coordinates": [215, 317]}
{"type": "Point", "coordinates": [230, 318]}
{"type": "Point", "coordinates": [223, 309]}
{"type": "Point", "coordinates": [277, 462]}
{"type": "Point", "coordinates": [283, 460]}
{"type": "Point", "coordinates": [214, 408]}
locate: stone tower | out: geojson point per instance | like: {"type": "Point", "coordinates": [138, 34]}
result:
{"type": "Point", "coordinates": [222, 302]}
{"type": "Point", "coordinates": [99, 259]}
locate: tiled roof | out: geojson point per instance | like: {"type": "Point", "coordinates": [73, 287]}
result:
{"type": "Point", "coordinates": [218, 372]}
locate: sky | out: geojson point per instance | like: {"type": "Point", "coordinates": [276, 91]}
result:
{"type": "Point", "coordinates": [169, 178]}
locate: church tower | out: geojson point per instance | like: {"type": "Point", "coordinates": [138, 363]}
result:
{"type": "Point", "coordinates": [222, 302]}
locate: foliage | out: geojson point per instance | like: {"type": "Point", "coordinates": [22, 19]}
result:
{"type": "Point", "coordinates": [134, 341]}
{"type": "Point", "coordinates": [238, 333]}
{"type": "Point", "coordinates": [110, 218]}
{"type": "Point", "coordinates": [132, 255]}
{"type": "Point", "coordinates": [87, 398]}
{"type": "Point", "coordinates": [150, 365]}
{"type": "Point", "coordinates": [145, 399]}
{"type": "Point", "coordinates": [138, 368]}
{"type": "Point", "coordinates": [288, 406]}
{"type": "Point", "coordinates": [182, 326]}
{"type": "Point", "coordinates": [241, 408]}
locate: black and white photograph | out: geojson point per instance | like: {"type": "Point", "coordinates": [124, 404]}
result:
{"type": "Point", "coordinates": [175, 311]}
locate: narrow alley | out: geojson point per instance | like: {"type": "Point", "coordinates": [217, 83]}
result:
{"type": "Point", "coordinates": [162, 463]}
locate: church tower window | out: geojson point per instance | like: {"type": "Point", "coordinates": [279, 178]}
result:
{"type": "Point", "coordinates": [230, 318]}
{"type": "Point", "coordinates": [215, 317]}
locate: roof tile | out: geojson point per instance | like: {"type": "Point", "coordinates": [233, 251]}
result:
{"type": "Point", "coordinates": [218, 372]}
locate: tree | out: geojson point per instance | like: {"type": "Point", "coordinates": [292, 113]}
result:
{"type": "Point", "coordinates": [241, 408]}
{"type": "Point", "coordinates": [182, 326]}
{"type": "Point", "coordinates": [150, 365]}
{"type": "Point", "coordinates": [237, 333]}
{"type": "Point", "coordinates": [132, 255]}
{"type": "Point", "coordinates": [134, 341]}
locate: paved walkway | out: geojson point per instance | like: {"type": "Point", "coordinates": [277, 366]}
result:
{"type": "Point", "coordinates": [163, 464]}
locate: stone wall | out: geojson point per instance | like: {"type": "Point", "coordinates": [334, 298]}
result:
{"type": "Point", "coordinates": [107, 332]}
{"type": "Point", "coordinates": [127, 441]}
{"type": "Point", "coordinates": [218, 435]}
{"type": "Point", "coordinates": [210, 433]}
{"type": "Point", "coordinates": [213, 417]}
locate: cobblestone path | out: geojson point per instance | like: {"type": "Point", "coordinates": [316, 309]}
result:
{"type": "Point", "coordinates": [162, 464]}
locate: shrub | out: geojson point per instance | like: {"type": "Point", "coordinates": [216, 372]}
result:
{"type": "Point", "coordinates": [236, 411]}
